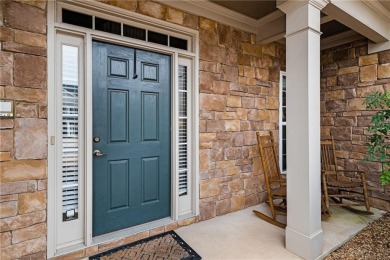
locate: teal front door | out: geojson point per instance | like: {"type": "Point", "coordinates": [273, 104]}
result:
{"type": "Point", "coordinates": [131, 137]}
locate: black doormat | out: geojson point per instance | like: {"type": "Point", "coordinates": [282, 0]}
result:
{"type": "Point", "coordinates": [168, 245]}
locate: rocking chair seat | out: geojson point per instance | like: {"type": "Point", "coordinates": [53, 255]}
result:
{"type": "Point", "coordinates": [343, 184]}
{"type": "Point", "coordinates": [279, 192]}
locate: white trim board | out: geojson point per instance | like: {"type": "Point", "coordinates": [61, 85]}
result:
{"type": "Point", "coordinates": [377, 47]}
{"type": "Point", "coordinates": [262, 27]}
{"type": "Point", "coordinates": [215, 12]}
{"type": "Point", "coordinates": [340, 39]}
{"type": "Point", "coordinates": [378, 8]}
{"type": "Point", "coordinates": [361, 17]}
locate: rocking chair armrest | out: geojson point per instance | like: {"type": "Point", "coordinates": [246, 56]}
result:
{"type": "Point", "coordinates": [326, 173]}
{"type": "Point", "coordinates": [277, 181]}
{"type": "Point", "coordinates": [281, 182]}
{"type": "Point", "coordinates": [361, 173]}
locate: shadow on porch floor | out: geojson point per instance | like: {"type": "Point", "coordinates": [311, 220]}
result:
{"type": "Point", "coordinates": [241, 235]}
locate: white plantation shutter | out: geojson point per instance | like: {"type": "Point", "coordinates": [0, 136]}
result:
{"type": "Point", "coordinates": [183, 147]}
{"type": "Point", "coordinates": [70, 135]}
{"type": "Point", "coordinates": [282, 124]}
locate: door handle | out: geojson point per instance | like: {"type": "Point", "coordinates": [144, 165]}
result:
{"type": "Point", "coordinates": [97, 153]}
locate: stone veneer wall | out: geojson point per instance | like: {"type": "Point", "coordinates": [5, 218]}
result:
{"type": "Point", "coordinates": [238, 96]}
{"type": "Point", "coordinates": [239, 88]}
{"type": "Point", "coordinates": [23, 145]}
{"type": "Point", "coordinates": [349, 75]}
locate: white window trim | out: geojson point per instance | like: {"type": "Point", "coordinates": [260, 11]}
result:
{"type": "Point", "coordinates": [77, 225]}
{"type": "Point", "coordinates": [178, 57]}
{"type": "Point", "coordinates": [281, 123]}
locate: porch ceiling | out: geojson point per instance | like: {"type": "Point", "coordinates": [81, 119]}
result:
{"type": "Point", "coordinates": [254, 9]}
{"type": "Point", "coordinates": [263, 18]}
{"type": "Point", "coordinates": [385, 3]}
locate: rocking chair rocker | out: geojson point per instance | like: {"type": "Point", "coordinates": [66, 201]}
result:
{"type": "Point", "coordinates": [276, 185]}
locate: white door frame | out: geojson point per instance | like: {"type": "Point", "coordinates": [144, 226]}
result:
{"type": "Point", "coordinates": [88, 35]}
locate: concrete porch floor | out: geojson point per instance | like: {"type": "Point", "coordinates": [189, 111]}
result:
{"type": "Point", "coordinates": [242, 235]}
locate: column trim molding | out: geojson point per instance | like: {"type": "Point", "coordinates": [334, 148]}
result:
{"type": "Point", "coordinates": [303, 30]}
{"type": "Point", "coordinates": [291, 5]}
{"type": "Point", "coordinates": [303, 243]}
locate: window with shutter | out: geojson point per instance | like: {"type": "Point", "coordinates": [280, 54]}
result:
{"type": "Point", "coordinates": [282, 124]}
{"type": "Point", "coordinates": [70, 135]}
{"type": "Point", "coordinates": [183, 155]}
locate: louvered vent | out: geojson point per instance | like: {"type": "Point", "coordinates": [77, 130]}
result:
{"type": "Point", "coordinates": [183, 155]}
{"type": "Point", "coordinates": [70, 137]}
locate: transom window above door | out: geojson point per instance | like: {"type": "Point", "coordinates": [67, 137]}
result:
{"type": "Point", "coordinates": [104, 25]}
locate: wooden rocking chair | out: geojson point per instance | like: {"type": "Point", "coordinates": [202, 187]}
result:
{"type": "Point", "coordinates": [337, 186]}
{"type": "Point", "coordinates": [276, 185]}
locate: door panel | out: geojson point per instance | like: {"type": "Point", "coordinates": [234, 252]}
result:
{"type": "Point", "coordinates": [118, 180]}
{"type": "Point", "coordinates": [132, 180]}
{"type": "Point", "coordinates": [150, 180]}
{"type": "Point", "coordinates": [150, 116]}
{"type": "Point", "coordinates": [118, 115]}
{"type": "Point", "coordinates": [118, 67]}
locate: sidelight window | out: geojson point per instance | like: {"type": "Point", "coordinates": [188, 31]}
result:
{"type": "Point", "coordinates": [186, 136]}
{"type": "Point", "coordinates": [282, 124]}
{"type": "Point", "coordinates": [70, 133]}
{"type": "Point", "coordinates": [67, 135]}
{"type": "Point", "coordinates": [183, 147]}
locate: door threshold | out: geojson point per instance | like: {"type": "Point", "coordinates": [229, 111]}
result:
{"type": "Point", "coordinates": [130, 231]}
{"type": "Point", "coordinates": [68, 249]}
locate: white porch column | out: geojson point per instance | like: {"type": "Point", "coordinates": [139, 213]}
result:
{"type": "Point", "coordinates": [303, 232]}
